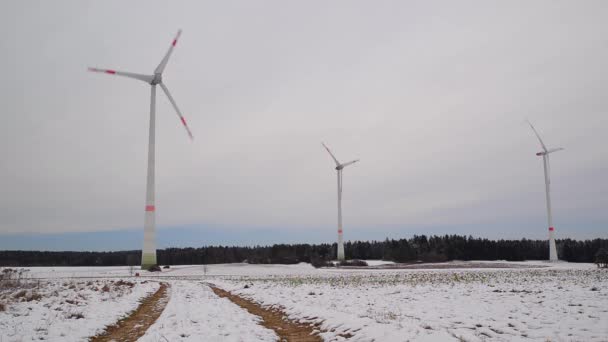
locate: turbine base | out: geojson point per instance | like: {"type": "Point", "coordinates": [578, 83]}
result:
{"type": "Point", "coordinates": [341, 252]}
{"type": "Point", "coordinates": [147, 260]}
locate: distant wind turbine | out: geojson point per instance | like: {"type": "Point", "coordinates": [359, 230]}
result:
{"type": "Point", "coordinates": [545, 154]}
{"type": "Point", "coordinates": [148, 256]}
{"type": "Point", "coordinates": [339, 168]}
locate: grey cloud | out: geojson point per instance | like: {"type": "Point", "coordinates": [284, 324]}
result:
{"type": "Point", "coordinates": [430, 96]}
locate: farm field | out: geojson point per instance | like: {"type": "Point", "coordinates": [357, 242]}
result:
{"type": "Point", "coordinates": [67, 309]}
{"type": "Point", "coordinates": [532, 301]}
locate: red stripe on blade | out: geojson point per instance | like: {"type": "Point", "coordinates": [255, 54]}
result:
{"type": "Point", "coordinates": [110, 72]}
{"type": "Point", "coordinates": [150, 208]}
{"type": "Point", "coordinates": [174, 42]}
{"type": "Point", "coordinates": [183, 121]}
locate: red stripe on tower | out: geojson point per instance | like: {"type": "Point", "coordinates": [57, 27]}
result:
{"type": "Point", "coordinates": [339, 231]}
{"type": "Point", "coordinates": [150, 208]}
{"type": "Point", "coordinates": [551, 229]}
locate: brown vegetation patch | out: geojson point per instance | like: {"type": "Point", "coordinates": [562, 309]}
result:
{"type": "Point", "coordinates": [13, 278]}
{"type": "Point", "coordinates": [135, 325]}
{"type": "Point", "coordinates": [274, 319]}
{"type": "Point", "coordinates": [33, 296]}
{"type": "Point", "coordinates": [124, 283]}
{"type": "Point", "coordinates": [20, 294]}
{"type": "Point", "coordinates": [75, 315]}
{"type": "Point", "coordinates": [2, 307]}
{"type": "Point", "coordinates": [444, 266]}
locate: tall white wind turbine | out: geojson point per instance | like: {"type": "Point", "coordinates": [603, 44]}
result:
{"type": "Point", "coordinates": [148, 255]}
{"type": "Point", "coordinates": [545, 154]}
{"type": "Point", "coordinates": [339, 168]}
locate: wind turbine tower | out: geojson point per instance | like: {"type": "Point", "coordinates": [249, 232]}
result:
{"type": "Point", "coordinates": [339, 168]}
{"type": "Point", "coordinates": [545, 154]}
{"type": "Point", "coordinates": [148, 255]}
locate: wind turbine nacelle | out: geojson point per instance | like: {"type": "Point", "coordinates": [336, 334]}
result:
{"type": "Point", "coordinates": [158, 78]}
{"type": "Point", "coordinates": [541, 153]}
{"type": "Point", "coordinates": [339, 167]}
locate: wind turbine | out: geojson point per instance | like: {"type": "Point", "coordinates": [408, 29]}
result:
{"type": "Point", "coordinates": [339, 168]}
{"type": "Point", "coordinates": [545, 154]}
{"type": "Point", "coordinates": [148, 256]}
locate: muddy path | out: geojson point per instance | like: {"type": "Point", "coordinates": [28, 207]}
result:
{"type": "Point", "coordinates": [135, 325]}
{"type": "Point", "coordinates": [274, 319]}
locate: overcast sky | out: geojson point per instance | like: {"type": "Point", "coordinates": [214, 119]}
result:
{"type": "Point", "coordinates": [430, 95]}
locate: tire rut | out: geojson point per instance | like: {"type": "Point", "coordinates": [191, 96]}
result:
{"type": "Point", "coordinates": [135, 325]}
{"type": "Point", "coordinates": [274, 319]}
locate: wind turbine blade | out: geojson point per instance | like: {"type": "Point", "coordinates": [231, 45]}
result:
{"type": "Point", "coordinates": [331, 154]}
{"type": "Point", "coordinates": [179, 113]}
{"type": "Point", "coordinates": [145, 78]}
{"type": "Point", "coordinates": [350, 163]}
{"type": "Point", "coordinates": [555, 150]}
{"type": "Point", "coordinates": [161, 67]}
{"type": "Point", "coordinates": [538, 136]}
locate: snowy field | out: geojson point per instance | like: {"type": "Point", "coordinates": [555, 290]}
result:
{"type": "Point", "coordinates": [67, 310]}
{"type": "Point", "coordinates": [195, 313]}
{"type": "Point", "coordinates": [537, 301]}
{"type": "Point", "coordinates": [555, 304]}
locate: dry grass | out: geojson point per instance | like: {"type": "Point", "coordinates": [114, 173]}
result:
{"type": "Point", "coordinates": [11, 278]}
{"type": "Point", "coordinates": [15, 286]}
{"type": "Point", "coordinates": [124, 283]}
{"type": "Point", "coordinates": [20, 294]}
{"type": "Point", "coordinates": [28, 296]}
{"type": "Point", "coordinates": [75, 315]}
{"type": "Point", "coordinates": [31, 296]}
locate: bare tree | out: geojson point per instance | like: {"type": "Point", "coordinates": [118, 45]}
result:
{"type": "Point", "coordinates": [131, 262]}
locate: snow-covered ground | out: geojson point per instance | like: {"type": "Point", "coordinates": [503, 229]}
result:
{"type": "Point", "coordinates": [67, 310]}
{"type": "Point", "coordinates": [537, 301]}
{"type": "Point", "coordinates": [554, 303]}
{"type": "Point", "coordinates": [378, 262]}
{"type": "Point", "coordinates": [243, 269]}
{"type": "Point", "coordinates": [195, 313]}
{"type": "Point", "coordinates": [238, 269]}
{"type": "Point", "coordinates": [79, 272]}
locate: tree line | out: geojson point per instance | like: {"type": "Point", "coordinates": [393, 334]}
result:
{"type": "Point", "coordinates": [415, 249]}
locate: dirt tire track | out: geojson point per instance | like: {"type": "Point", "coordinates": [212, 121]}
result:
{"type": "Point", "coordinates": [273, 319]}
{"type": "Point", "coordinates": [135, 325]}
